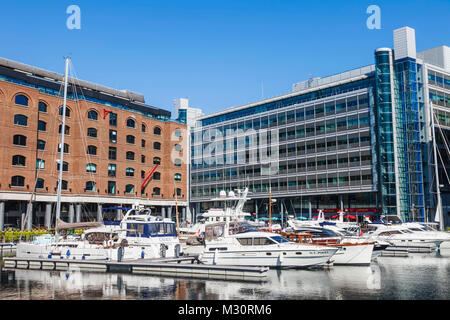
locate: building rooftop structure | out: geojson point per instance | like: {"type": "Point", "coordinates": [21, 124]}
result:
{"type": "Point", "coordinates": [50, 83]}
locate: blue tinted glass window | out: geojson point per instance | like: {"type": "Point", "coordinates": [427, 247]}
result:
{"type": "Point", "coordinates": [42, 107]}
{"type": "Point", "coordinates": [42, 126]}
{"type": "Point", "coordinates": [20, 119]}
{"type": "Point", "coordinates": [92, 115]}
{"type": "Point", "coordinates": [20, 99]}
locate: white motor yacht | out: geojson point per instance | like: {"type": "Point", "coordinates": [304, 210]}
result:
{"type": "Point", "coordinates": [232, 210]}
{"type": "Point", "coordinates": [404, 236]}
{"type": "Point", "coordinates": [340, 223]}
{"type": "Point", "coordinates": [139, 235]}
{"type": "Point", "coordinates": [239, 244]}
{"type": "Point", "coordinates": [353, 250]}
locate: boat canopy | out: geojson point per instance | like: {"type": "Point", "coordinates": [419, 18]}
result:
{"type": "Point", "coordinates": [151, 229]}
{"type": "Point", "coordinates": [61, 225]}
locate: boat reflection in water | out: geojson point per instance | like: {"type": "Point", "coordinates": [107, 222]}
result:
{"type": "Point", "coordinates": [280, 284]}
{"type": "Point", "coordinates": [418, 276]}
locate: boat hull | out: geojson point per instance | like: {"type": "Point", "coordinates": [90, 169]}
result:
{"type": "Point", "coordinates": [353, 254]}
{"type": "Point", "coordinates": [80, 252]}
{"type": "Point", "coordinates": [273, 259]}
{"type": "Point", "coordinates": [41, 251]}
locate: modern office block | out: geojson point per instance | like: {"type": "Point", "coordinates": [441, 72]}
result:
{"type": "Point", "coordinates": [359, 140]}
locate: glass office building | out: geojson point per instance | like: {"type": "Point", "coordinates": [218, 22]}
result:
{"type": "Point", "coordinates": [355, 141]}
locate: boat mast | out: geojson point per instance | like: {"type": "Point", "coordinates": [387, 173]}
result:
{"type": "Point", "coordinates": [176, 213]}
{"type": "Point", "coordinates": [270, 205]}
{"type": "Point", "coordinates": [63, 130]}
{"type": "Point", "coordinates": [438, 215]}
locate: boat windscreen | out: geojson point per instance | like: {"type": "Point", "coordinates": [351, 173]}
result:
{"type": "Point", "coordinates": [241, 227]}
{"type": "Point", "coordinates": [279, 239]}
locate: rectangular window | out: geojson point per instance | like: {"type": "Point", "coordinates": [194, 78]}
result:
{"type": "Point", "coordinates": [300, 114]}
{"type": "Point", "coordinates": [113, 119]}
{"type": "Point", "coordinates": [340, 106]}
{"type": "Point", "coordinates": [113, 136]}
{"type": "Point", "coordinates": [329, 108]}
{"type": "Point", "coordinates": [40, 164]}
{"type": "Point", "coordinates": [111, 187]}
{"type": "Point", "coordinates": [111, 170]}
{"type": "Point", "coordinates": [112, 154]}
{"type": "Point", "coordinates": [319, 110]}
{"type": "Point", "coordinates": [245, 241]}
{"type": "Point", "coordinates": [309, 113]}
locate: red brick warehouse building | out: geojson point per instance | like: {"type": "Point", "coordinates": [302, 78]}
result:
{"type": "Point", "coordinates": [112, 140]}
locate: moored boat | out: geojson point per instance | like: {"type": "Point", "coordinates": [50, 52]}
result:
{"type": "Point", "coordinates": [239, 244]}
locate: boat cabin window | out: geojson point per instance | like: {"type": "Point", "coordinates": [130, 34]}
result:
{"type": "Point", "coordinates": [240, 227]}
{"type": "Point", "coordinates": [315, 233]}
{"type": "Point", "coordinates": [96, 237]}
{"type": "Point", "coordinates": [393, 219]}
{"type": "Point", "coordinates": [344, 232]}
{"type": "Point", "coordinates": [263, 241]}
{"type": "Point", "coordinates": [279, 239]}
{"type": "Point", "coordinates": [162, 229]}
{"type": "Point", "coordinates": [388, 233]}
{"type": "Point", "coordinates": [157, 229]}
{"type": "Point", "coordinates": [329, 233]}
{"type": "Point", "coordinates": [415, 229]}
{"type": "Point", "coordinates": [132, 212]}
{"type": "Point", "coordinates": [135, 229]}
{"type": "Point", "coordinates": [245, 241]}
{"type": "Point", "coordinates": [214, 231]}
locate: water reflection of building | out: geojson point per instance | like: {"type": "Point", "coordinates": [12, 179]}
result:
{"type": "Point", "coordinates": [418, 276]}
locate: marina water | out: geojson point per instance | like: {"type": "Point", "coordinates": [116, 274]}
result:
{"type": "Point", "coordinates": [418, 276]}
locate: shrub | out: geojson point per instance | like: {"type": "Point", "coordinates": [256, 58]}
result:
{"type": "Point", "coordinates": [13, 235]}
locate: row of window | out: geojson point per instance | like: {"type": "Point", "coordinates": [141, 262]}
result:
{"type": "Point", "coordinates": [22, 100]}
{"type": "Point", "coordinates": [344, 142]}
{"type": "Point", "coordinates": [20, 161]}
{"type": "Point", "coordinates": [90, 186]}
{"type": "Point", "coordinates": [21, 140]}
{"type": "Point", "coordinates": [234, 144]}
{"type": "Point", "coordinates": [292, 132]}
{"type": "Point", "coordinates": [287, 167]}
{"type": "Point", "coordinates": [22, 120]}
{"type": "Point", "coordinates": [443, 117]}
{"type": "Point", "coordinates": [439, 79]}
{"type": "Point", "coordinates": [440, 98]}
{"type": "Point", "coordinates": [291, 101]}
{"type": "Point", "coordinates": [302, 183]}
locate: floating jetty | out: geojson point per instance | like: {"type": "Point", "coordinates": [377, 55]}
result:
{"type": "Point", "coordinates": [6, 248]}
{"type": "Point", "coordinates": [403, 251]}
{"type": "Point", "coordinates": [394, 252]}
{"type": "Point", "coordinates": [183, 267]}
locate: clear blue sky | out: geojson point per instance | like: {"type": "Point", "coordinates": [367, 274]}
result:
{"type": "Point", "coordinates": [216, 53]}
